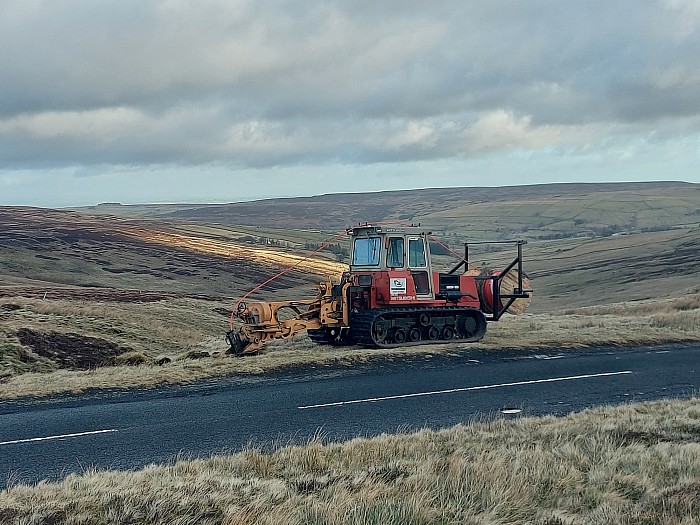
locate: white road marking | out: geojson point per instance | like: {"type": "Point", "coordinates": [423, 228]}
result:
{"type": "Point", "coordinates": [465, 389]}
{"type": "Point", "coordinates": [63, 436]}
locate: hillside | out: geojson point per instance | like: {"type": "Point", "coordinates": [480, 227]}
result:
{"type": "Point", "coordinates": [589, 272]}
{"type": "Point", "coordinates": [534, 212]}
{"type": "Point", "coordinates": [588, 243]}
{"type": "Point", "coordinates": [41, 249]}
{"type": "Point", "coordinates": [147, 287]}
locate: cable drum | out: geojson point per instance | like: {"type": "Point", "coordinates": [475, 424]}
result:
{"type": "Point", "coordinates": [509, 284]}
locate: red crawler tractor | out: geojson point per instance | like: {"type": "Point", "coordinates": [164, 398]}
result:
{"type": "Point", "coordinates": [390, 297]}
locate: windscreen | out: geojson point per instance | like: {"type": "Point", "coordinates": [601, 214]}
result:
{"type": "Point", "coordinates": [366, 251]}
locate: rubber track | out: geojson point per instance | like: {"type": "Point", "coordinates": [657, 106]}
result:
{"type": "Point", "coordinates": [361, 326]}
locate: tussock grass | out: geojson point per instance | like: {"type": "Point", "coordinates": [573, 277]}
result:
{"type": "Point", "coordinates": [16, 359]}
{"type": "Point", "coordinates": [629, 464]}
{"type": "Point", "coordinates": [150, 331]}
{"type": "Point", "coordinates": [177, 328]}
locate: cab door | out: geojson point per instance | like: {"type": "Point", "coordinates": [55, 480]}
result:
{"type": "Point", "coordinates": [419, 266]}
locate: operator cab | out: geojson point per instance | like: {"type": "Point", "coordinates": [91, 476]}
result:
{"type": "Point", "coordinates": [398, 254]}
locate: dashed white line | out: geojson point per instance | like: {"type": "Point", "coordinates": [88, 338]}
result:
{"type": "Point", "coordinates": [465, 389]}
{"type": "Point", "coordinates": [62, 436]}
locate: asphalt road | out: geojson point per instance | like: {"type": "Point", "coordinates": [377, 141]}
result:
{"type": "Point", "coordinates": [109, 430]}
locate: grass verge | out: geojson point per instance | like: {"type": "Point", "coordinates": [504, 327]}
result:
{"type": "Point", "coordinates": [633, 464]}
{"type": "Point", "coordinates": [174, 331]}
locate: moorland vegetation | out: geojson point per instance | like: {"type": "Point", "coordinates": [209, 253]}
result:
{"type": "Point", "coordinates": [123, 297]}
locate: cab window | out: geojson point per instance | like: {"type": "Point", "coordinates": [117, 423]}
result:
{"type": "Point", "coordinates": [416, 253]}
{"type": "Point", "coordinates": [366, 251]}
{"type": "Point", "coordinates": [394, 253]}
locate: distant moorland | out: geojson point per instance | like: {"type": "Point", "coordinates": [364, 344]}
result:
{"type": "Point", "coordinates": [140, 296]}
{"type": "Point", "coordinates": [146, 291]}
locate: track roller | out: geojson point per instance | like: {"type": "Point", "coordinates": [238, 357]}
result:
{"type": "Point", "coordinates": [391, 327]}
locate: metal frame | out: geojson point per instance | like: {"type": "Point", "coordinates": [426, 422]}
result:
{"type": "Point", "coordinates": [519, 292]}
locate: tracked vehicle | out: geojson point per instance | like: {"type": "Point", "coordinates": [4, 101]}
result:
{"type": "Point", "coordinates": [390, 297]}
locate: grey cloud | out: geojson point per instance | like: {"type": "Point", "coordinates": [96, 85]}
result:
{"type": "Point", "coordinates": [246, 83]}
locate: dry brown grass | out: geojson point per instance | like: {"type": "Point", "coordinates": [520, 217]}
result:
{"type": "Point", "coordinates": [635, 464]}
{"type": "Point", "coordinates": [175, 328]}
{"type": "Point", "coordinates": [284, 259]}
{"type": "Point", "coordinates": [671, 305]}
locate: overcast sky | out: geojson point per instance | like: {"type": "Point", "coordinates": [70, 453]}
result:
{"type": "Point", "coordinates": [205, 101]}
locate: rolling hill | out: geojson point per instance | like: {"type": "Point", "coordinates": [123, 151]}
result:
{"type": "Point", "coordinates": [588, 243]}
{"type": "Point", "coordinates": [534, 212]}
{"type": "Point", "coordinates": [43, 249]}
{"type": "Point", "coordinates": [155, 284]}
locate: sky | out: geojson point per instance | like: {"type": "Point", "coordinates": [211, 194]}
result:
{"type": "Point", "coordinates": [138, 101]}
